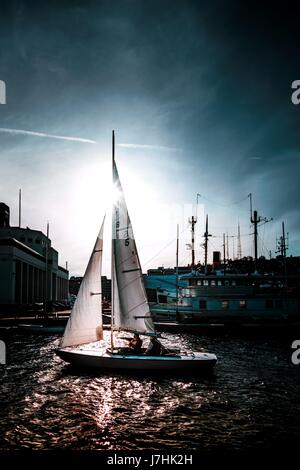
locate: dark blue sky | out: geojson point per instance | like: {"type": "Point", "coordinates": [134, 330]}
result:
{"type": "Point", "coordinates": [210, 80]}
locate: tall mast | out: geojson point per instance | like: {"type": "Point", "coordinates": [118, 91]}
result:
{"type": "Point", "coordinates": [20, 206]}
{"type": "Point", "coordinates": [224, 256]}
{"type": "Point", "coordinates": [206, 235]}
{"type": "Point", "coordinates": [177, 250]}
{"type": "Point", "coordinates": [256, 220]}
{"type": "Point", "coordinates": [193, 221]}
{"type": "Point", "coordinates": [239, 247]}
{"type": "Point", "coordinates": [46, 272]}
{"type": "Point", "coordinates": [112, 254]}
{"type": "Point", "coordinates": [227, 246]}
{"type": "Point", "coordinates": [283, 241]}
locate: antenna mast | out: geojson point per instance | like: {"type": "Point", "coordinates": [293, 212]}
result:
{"type": "Point", "coordinates": [256, 220]}
{"type": "Point", "coordinates": [206, 235]}
{"type": "Point", "coordinates": [227, 246]}
{"type": "Point", "coordinates": [239, 244]}
{"type": "Point", "coordinates": [193, 221]}
{"type": "Point", "coordinates": [177, 251]}
{"type": "Point", "coordinates": [224, 258]}
{"type": "Point", "coordinates": [20, 206]}
{"type": "Point", "coordinates": [282, 243]}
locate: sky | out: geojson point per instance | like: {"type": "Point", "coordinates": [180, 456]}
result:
{"type": "Point", "coordinates": [199, 95]}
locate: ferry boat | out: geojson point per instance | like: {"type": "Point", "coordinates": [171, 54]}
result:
{"type": "Point", "coordinates": [231, 298]}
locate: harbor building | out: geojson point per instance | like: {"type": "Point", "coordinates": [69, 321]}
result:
{"type": "Point", "coordinates": [29, 269]}
{"type": "Point", "coordinates": [75, 281]}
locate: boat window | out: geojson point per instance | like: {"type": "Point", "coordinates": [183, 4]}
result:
{"type": "Point", "coordinates": [269, 303]}
{"type": "Point", "coordinates": [30, 240]}
{"type": "Point", "coordinates": [22, 239]}
{"type": "Point", "coordinates": [243, 304]}
{"type": "Point", "coordinates": [225, 304]}
{"type": "Point", "coordinates": [202, 304]}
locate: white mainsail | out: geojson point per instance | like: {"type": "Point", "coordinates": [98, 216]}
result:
{"type": "Point", "coordinates": [130, 305]}
{"type": "Point", "coordinates": [85, 322]}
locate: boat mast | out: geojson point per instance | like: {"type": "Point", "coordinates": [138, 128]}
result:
{"type": "Point", "coordinates": [112, 254]}
{"type": "Point", "coordinates": [224, 256]}
{"type": "Point", "coordinates": [206, 235]}
{"type": "Point", "coordinates": [177, 287]}
{"type": "Point", "coordinates": [239, 247]}
{"type": "Point", "coordinates": [193, 221]}
{"type": "Point", "coordinates": [46, 271]}
{"type": "Point", "coordinates": [20, 206]}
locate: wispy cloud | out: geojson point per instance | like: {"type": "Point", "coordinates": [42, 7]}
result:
{"type": "Point", "coordinates": [43, 134]}
{"type": "Point", "coordinates": [150, 147]}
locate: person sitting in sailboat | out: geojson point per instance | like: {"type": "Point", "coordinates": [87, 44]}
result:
{"type": "Point", "coordinates": [135, 344]}
{"type": "Point", "coordinates": [155, 348]}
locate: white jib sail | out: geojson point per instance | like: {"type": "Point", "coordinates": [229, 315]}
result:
{"type": "Point", "coordinates": [130, 305]}
{"type": "Point", "coordinates": [85, 322]}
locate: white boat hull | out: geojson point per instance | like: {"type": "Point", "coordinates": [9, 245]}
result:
{"type": "Point", "coordinates": [105, 361]}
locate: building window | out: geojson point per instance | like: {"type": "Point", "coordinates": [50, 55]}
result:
{"type": "Point", "coordinates": [233, 283]}
{"type": "Point", "coordinates": [279, 304]}
{"type": "Point", "coordinates": [206, 282]}
{"type": "Point", "coordinates": [225, 304]}
{"type": "Point", "coordinates": [269, 303]}
{"type": "Point", "coordinates": [213, 283]}
{"type": "Point", "coordinates": [243, 304]}
{"type": "Point", "coordinates": [202, 304]}
{"type": "Point", "coordinates": [199, 283]}
{"type": "Point", "coordinates": [219, 283]}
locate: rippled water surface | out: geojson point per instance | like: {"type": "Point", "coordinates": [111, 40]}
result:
{"type": "Point", "coordinates": [252, 399]}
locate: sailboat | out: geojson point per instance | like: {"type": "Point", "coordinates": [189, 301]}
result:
{"type": "Point", "coordinates": [83, 335]}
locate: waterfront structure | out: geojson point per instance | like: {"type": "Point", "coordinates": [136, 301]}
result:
{"type": "Point", "coordinates": [75, 281]}
{"type": "Point", "coordinates": [231, 297]}
{"type": "Point", "coordinates": [29, 269]}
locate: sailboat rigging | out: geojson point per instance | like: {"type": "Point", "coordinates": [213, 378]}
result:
{"type": "Point", "coordinates": [130, 309]}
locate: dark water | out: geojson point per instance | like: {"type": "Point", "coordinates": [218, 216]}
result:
{"type": "Point", "coordinates": [252, 400]}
